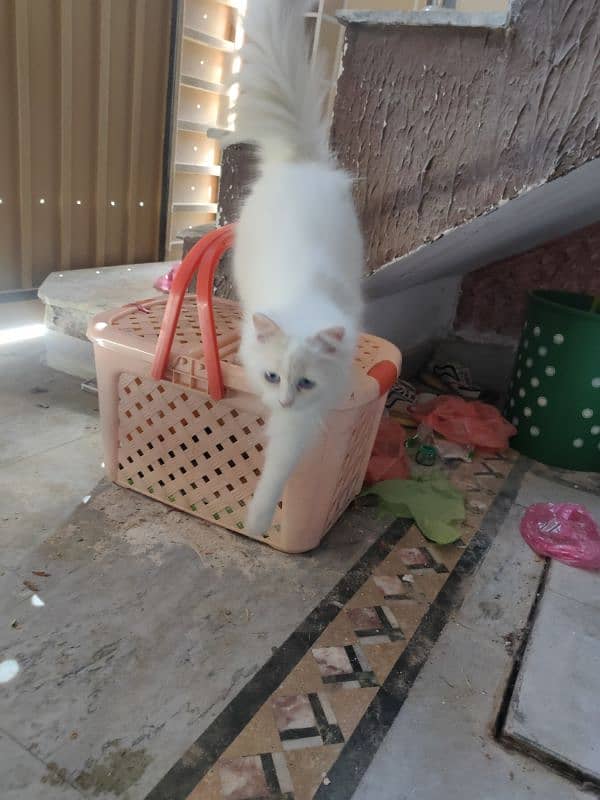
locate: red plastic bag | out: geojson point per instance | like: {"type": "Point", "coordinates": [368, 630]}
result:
{"type": "Point", "coordinates": [565, 532]}
{"type": "Point", "coordinates": [470, 423]}
{"type": "Point", "coordinates": [388, 459]}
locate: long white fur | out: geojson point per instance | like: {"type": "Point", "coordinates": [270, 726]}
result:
{"type": "Point", "coordinates": [298, 254]}
{"type": "Point", "coordinates": [282, 95]}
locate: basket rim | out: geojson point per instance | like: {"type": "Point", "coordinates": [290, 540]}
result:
{"type": "Point", "coordinates": [103, 334]}
{"type": "Point", "coordinates": [546, 297]}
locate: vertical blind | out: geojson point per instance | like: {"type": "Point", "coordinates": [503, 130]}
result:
{"type": "Point", "coordinates": [83, 88]}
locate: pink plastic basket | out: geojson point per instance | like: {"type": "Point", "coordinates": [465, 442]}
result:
{"type": "Point", "coordinates": [181, 424]}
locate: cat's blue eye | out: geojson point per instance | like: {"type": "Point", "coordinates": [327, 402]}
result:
{"type": "Point", "coordinates": [272, 377]}
{"type": "Point", "coordinates": [304, 384]}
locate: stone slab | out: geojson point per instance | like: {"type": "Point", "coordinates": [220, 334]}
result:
{"type": "Point", "coordinates": [73, 297]}
{"type": "Point", "coordinates": [500, 606]}
{"type": "Point", "coordinates": [50, 452]}
{"type": "Point", "coordinates": [577, 584]}
{"type": "Point", "coordinates": [538, 488]}
{"type": "Point", "coordinates": [39, 410]}
{"type": "Point", "coordinates": [23, 777]}
{"type": "Point", "coordinates": [555, 710]}
{"type": "Point", "coordinates": [38, 494]}
{"type": "Point", "coordinates": [95, 290]}
{"type": "Point", "coordinates": [441, 743]}
{"type": "Point", "coordinates": [152, 623]}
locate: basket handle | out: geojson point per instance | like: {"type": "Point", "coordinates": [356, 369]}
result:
{"type": "Point", "coordinates": [204, 259]}
{"type": "Point", "coordinates": [386, 375]}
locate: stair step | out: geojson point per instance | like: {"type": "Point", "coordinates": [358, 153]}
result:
{"type": "Point", "coordinates": [206, 208]}
{"type": "Point", "coordinates": [190, 82]}
{"type": "Point", "coordinates": [188, 126]}
{"type": "Point", "coordinates": [199, 169]}
{"type": "Point", "coordinates": [200, 37]}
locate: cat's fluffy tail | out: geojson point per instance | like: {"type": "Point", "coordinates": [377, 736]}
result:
{"type": "Point", "coordinates": [282, 96]}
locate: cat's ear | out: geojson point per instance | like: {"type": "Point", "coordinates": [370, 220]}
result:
{"type": "Point", "coordinates": [265, 327]}
{"type": "Point", "coordinates": [328, 341]}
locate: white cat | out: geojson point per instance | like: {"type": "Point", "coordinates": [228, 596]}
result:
{"type": "Point", "coordinates": [298, 255]}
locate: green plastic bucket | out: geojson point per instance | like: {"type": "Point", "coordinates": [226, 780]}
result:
{"type": "Point", "coordinates": [554, 398]}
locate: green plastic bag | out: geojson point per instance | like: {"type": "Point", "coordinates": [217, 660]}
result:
{"type": "Point", "coordinates": [437, 507]}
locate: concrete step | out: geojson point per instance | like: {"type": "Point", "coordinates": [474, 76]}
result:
{"type": "Point", "coordinates": [73, 297]}
{"type": "Point", "coordinates": [539, 215]}
{"type": "Point", "coordinates": [553, 713]}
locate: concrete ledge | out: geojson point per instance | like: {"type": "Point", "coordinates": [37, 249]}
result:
{"type": "Point", "coordinates": [104, 288]}
{"type": "Point", "coordinates": [73, 297]}
{"type": "Point", "coordinates": [441, 17]}
{"type": "Point", "coordinates": [538, 215]}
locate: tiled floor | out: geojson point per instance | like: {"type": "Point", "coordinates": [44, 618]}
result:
{"type": "Point", "coordinates": [287, 748]}
{"type": "Point", "coordinates": [441, 743]}
{"type": "Point", "coordinates": [22, 312]}
{"type": "Point", "coordinates": [557, 688]}
{"type": "Point", "coordinates": [173, 661]}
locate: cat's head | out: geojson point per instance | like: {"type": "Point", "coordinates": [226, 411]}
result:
{"type": "Point", "coordinates": [294, 372]}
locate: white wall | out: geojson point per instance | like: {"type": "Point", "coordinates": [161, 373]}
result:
{"type": "Point", "coordinates": [416, 315]}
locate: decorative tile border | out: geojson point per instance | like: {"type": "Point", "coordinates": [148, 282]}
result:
{"type": "Point", "coordinates": [306, 720]}
{"type": "Point", "coordinates": [369, 734]}
{"type": "Point", "coordinates": [186, 773]}
{"type": "Point", "coordinates": [310, 721]}
{"type": "Point", "coordinates": [344, 667]}
{"type": "Point", "coordinates": [420, 559]}
{"type": "Point", "coordinates": [375, 625]}
{"type": "Point", "coordinates": [256, 777]}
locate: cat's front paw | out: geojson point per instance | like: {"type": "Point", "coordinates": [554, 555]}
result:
{"type": "Point", "coordinates": [258, 520]}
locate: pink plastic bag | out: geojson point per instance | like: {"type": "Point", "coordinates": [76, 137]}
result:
{"type": "Point", "coordinates": [466, 422]}
{"type": "Point", "coordinates": [388, 459]}
{"type": "Point", "coordinates": [165, 282]}
{"type": "Point", "coordinates": [565, 532]}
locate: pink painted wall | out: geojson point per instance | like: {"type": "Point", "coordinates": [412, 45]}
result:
{"type": "Point", "coordinates": [494, 298]}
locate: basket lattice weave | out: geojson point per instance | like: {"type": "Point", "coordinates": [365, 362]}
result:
{"type": "Point", "coordinates": [171, 435]}
{"type": "Point", "coordinates": [185, 450]}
